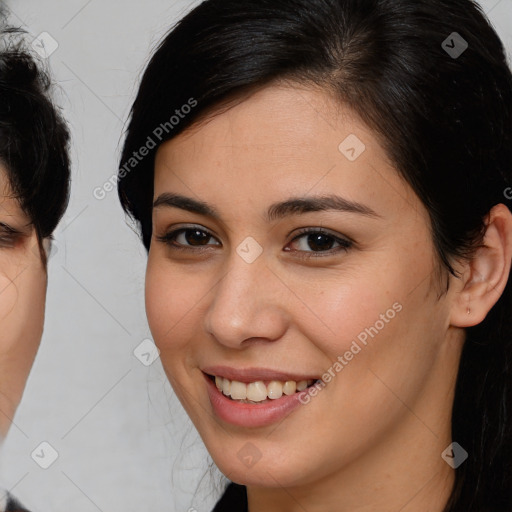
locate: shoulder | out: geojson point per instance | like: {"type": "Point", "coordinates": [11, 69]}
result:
{"type": "Point", "coordinates": [234, 499]}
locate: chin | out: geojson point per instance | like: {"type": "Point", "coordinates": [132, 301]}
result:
{"type": "Point", "coordinates": [263, 472]}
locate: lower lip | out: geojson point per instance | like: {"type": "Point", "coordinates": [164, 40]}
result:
{"type": "Point", "coordinates": [250, 415]}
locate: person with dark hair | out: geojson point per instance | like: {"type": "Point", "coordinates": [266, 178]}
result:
{"type": "Point", "coordinates": [34, 185]}
{"type": "Point", "coordinates": [324, 191]}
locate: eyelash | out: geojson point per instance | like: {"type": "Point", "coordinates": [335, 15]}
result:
{"type": "Point", "coordinates": [8, 236]}
{"type": "Point", "coordinates": [344, 244]}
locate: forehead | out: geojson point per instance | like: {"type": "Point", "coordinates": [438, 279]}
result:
{"type": "Point", "coordinates": [280, 140]}
{"type": "Point", "coordinates": [282, 117]}
{"type": "Point", "coordinates": [5, 187]}
{"type": "Point", "coordinates": [10, 209]}
{"type": "Point", "coordinates": [5, 190]}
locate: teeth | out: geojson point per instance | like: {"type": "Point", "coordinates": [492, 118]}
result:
{"type": "Point", "coordinates": [226, 387]}
{"type": "Point", "coordinates": [289, 388]}
{"type": "Point", "coordinates": [258, 391]}
{"type": "Point", "coordinates": [239, 391]}
{"type": "Point", "coordinates": [275, 389]}
{"type": "Point", "coordinates": [302, 385]}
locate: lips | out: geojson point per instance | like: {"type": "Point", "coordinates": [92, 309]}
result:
{"type": "Point", "coordinates": [257, 385]}
{"type": "Point", "coordinates": [254, 397]}
{"type": "Point", "coordinates": [248, 375]}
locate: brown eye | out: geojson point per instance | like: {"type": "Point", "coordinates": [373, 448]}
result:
{"type": "Point", "coordinates": [195, 236]}
{"type": "Point", "coordinates": [320, 241]}
{"type": "Point", "coordinates": [186, 238]}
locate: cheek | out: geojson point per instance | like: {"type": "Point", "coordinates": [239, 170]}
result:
{"type": "Point", "coordinates": [22, 303]}
{"type": "Point", "coordinates": [384, 324]}
{"type": "Point", "coordinates": [8, 297]}
{"type": "Point", "coordinates": [332, 308]}
{"type": "Point", "coordinates": [371, 299]}
{"type": "Point", "coordinates": [172, 299]}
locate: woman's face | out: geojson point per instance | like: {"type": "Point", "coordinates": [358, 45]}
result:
{"type": "Point", "coordinates": [245, 295]}
{"type": "Point", "coordinates": [22, 301]}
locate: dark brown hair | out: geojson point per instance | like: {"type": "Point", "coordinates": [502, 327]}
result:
{"type": "Point", "coordinates": [33, 136]}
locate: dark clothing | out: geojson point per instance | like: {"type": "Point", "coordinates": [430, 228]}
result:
{"type": "Point", "coordinates": [234, 499]}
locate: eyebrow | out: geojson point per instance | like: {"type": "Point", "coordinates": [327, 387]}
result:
{"type": "Point", "coordinates": [292, 206]}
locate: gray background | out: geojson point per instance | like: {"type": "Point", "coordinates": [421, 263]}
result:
{"type": "Point", "coordinates": [123, 441]}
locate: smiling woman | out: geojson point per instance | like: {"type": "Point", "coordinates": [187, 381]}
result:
{"type": "Point", "coordinates": [330, 245]}
{"type": "Point", "coordinates": [34, 187]}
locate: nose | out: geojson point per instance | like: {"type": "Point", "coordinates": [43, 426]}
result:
{"type": "Point", "coordinates": [248, 305]}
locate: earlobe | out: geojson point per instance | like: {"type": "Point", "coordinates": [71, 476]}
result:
{"type": "Point", "coordinates": [486, 274]}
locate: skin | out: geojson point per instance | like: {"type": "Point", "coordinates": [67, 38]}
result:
{"type": "Point", "coordinates": [23, 283]}
{"type": "Point", "coordinates": [372, 438]}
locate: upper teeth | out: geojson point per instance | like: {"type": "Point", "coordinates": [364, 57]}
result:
{"type": "Point", "coordinates": [258, 391]}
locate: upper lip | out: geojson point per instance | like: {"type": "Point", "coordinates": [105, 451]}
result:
{"type": "Point", "coordinates": [255, 374]}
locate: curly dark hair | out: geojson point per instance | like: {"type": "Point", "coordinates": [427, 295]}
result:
{"type": "Point", "coordinates": [34, 139]}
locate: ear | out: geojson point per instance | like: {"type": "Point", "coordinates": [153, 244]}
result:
{"type": "Point", "coordinates": [485, 276]}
